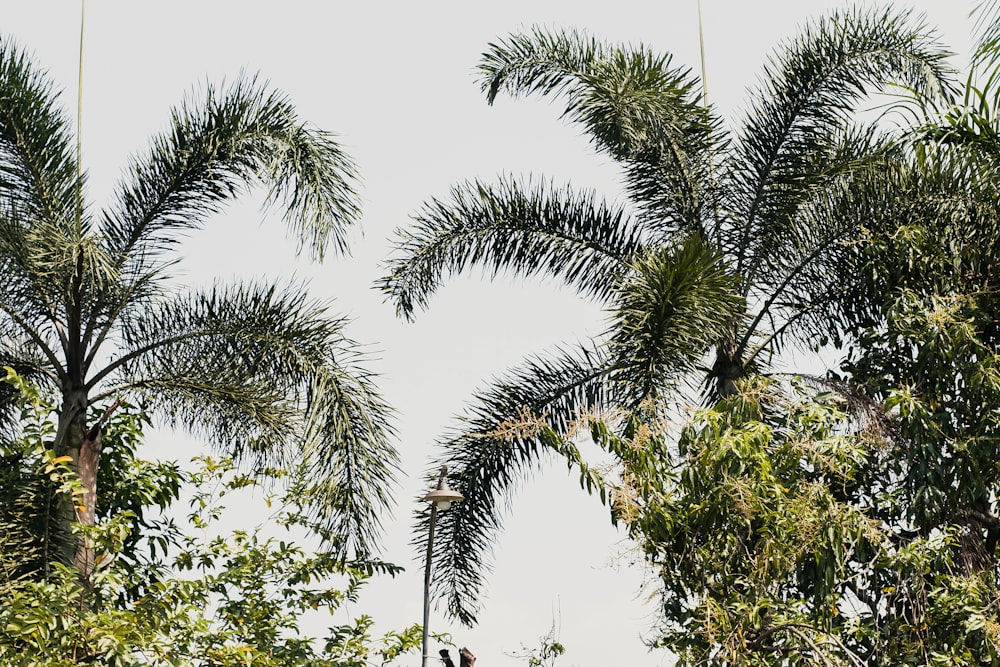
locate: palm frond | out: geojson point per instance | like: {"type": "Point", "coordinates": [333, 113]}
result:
{"type": "Point", "coordinates": [798, 266]}
{"type": "Point", "coordinates": [350, 460]}
{"type": "Point", "coordinates": [986, 50]}
{"type": "Point", "coordinates": [266, 375]}
{"type": "Point", "coordinates": [44, 241]}
{"type": "Point", "coordinates": [26, 331]}
{"type": "Point", "coordinates": [843, 159]}
{"type": "Point", "coordinates": [678, 304]}
{"type": "Point", "coordinates": [523, 228]}
{"type": "Point", "coordinates": [635, 106]}
{"type": "Point", "coordinates": [235, 137]}
{"type": "Point", "coordinates": [809, 92]}
{"type": "Point", "coordinates": [32, 296]}
{"type": "Point", "coordinates": [38, 170]}
{"type": "Point", "coordinates": [505, 435]}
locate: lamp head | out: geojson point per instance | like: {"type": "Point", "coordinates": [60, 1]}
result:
{"type": "Point", "coordinates": [443, 497]}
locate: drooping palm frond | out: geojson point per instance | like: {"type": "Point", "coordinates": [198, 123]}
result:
{"type": "Point", "coordinates": [29, 337]}
{"type": "Point", "coordinates": [237, 136]}
{"type": "Point", "coordinates": [520, 227]}
{"type": "Point", "coordinates": [505, 436]}
{"type": "Point", "coordinates": [22, 309]}
{"type": "Point", "coordinates": [634, 105]}
{"type": "Point", "coordinates": [808, 94]}
{"type": "Point", "coordinates": [350, 463]}
{"type": "Point", "coordinates": [268, 376]}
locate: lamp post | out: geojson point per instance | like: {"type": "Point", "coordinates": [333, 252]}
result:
{"type": "Point", "coordinates": [440, 498]}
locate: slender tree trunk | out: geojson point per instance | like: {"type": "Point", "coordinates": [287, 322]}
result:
{"type": "Point", "coordinates": [83, 446]}
{"type": "Point", "coordinates": [90, 452]}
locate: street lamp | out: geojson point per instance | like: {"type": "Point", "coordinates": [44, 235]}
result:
{"type": "Point", "coordinates": [440, 498]}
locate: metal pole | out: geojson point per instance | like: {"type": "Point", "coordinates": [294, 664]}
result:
{"type": "Point", "coordinates": [427, 570]}
{"type": "Point", "coordinates": [427, 582]}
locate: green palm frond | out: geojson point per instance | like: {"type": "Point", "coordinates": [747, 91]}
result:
{"type": "Point", "coordinates": [237, 136]}
{"type": "Point", "coordinates": [986, 50]}
{"type": "Point", "coordinates": [351, 463]}
{"type": "Point", "coordinates": [635, 106]}
{"type": "Point", "coordinates": [971, 121]}
{"type": "Point", "coordinates": [799, 264]}
{"type": "Point", "coordinates": [508, 432]}
{"type": "Point", "coordinates": [678, 304]}
{"type": "Point", "coordinates": [21, 304]}
{"type": "Point", "coordinates": [268, 376]}
{"type": "Point", "coordinates": [27, 329]}
{"type": "Point", "coordinates": [38, 171]}
{"type": "Point", "coordinates": [519, 227]}
{"type": "Point", "coordinates": [853, 153]}
{"type": "Point", "coordinates": [808, 94]}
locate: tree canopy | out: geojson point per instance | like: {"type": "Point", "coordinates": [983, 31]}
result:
{"type": "Point", "coordinates": [260, 370]}
{"type": "Point", "coordinates": [731, 244]}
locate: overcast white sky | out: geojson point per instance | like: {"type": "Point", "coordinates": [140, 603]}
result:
{"type": "Point", "coordinates": [395, 81]}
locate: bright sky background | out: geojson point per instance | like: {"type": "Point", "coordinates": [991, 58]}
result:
{"type": "Point", "coordinates": [395, 80]}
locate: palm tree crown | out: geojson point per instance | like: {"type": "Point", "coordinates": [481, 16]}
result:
{"type": "Point", "coordinates": [728, 245]}
{"type": "Point", "coordinates": [258, 369]}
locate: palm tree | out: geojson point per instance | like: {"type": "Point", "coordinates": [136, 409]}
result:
{"type": "Point", "coordinates": [728, 245]}
{"type": "Point", "coordinates": [259, 370]}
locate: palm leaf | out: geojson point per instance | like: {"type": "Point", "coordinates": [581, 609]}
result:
{"type": "Point", "coordinates": [678, 304]}
{"type": "Point", "coordinates": [268, 376]}
{"type": "Point", "coordinates": [522, 228]}
{"type": "Point", "coordinates": [808, 94]}
{"type": "Point", "coordinates": [986, 49]}
{"type": "Point", "coordinates": [799, 266]}
{"type": "Point", "coordinates": [504, 437]}
{"type": "Point", "coordinates": [236, 137]}
{"type": "Point", "coordinates": [635, 106]}
{"type": "Point", "coordinates": [38, 171]}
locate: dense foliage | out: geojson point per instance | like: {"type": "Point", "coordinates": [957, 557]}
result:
{"type": "Point", "coordinates": [783, 536]}
{"type": "Point", "coordinates": [191, 594]}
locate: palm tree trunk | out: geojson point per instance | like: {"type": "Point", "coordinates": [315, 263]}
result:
{"type": "Point", "coordinates": [90, 452]}
{"type": "Point", "coordinates": [83, 447]}
{"type": "Point", "coordinates": [727, 369]}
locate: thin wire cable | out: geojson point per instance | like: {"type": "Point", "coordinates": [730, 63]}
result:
{"type": "Point", "coordinates": [79, 124]}
{"type": "Point", "coordinates": [704, 71]}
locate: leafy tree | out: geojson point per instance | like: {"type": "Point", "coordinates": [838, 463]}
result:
{"type": "Point", "coordinates": [783, 536]}
{"type": "Point", "coordinates": [85, 309]}
{"type": "Point", "coordinates": [200, 596]}
{"type": "Point", "coordinates": [730, 246]}
{"type": "Point", "coordinates": [136, 493]}
{"type": "Point", "coordinates": [786, 536]}
{"type": "Point", "coordinates": [221, 600]}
